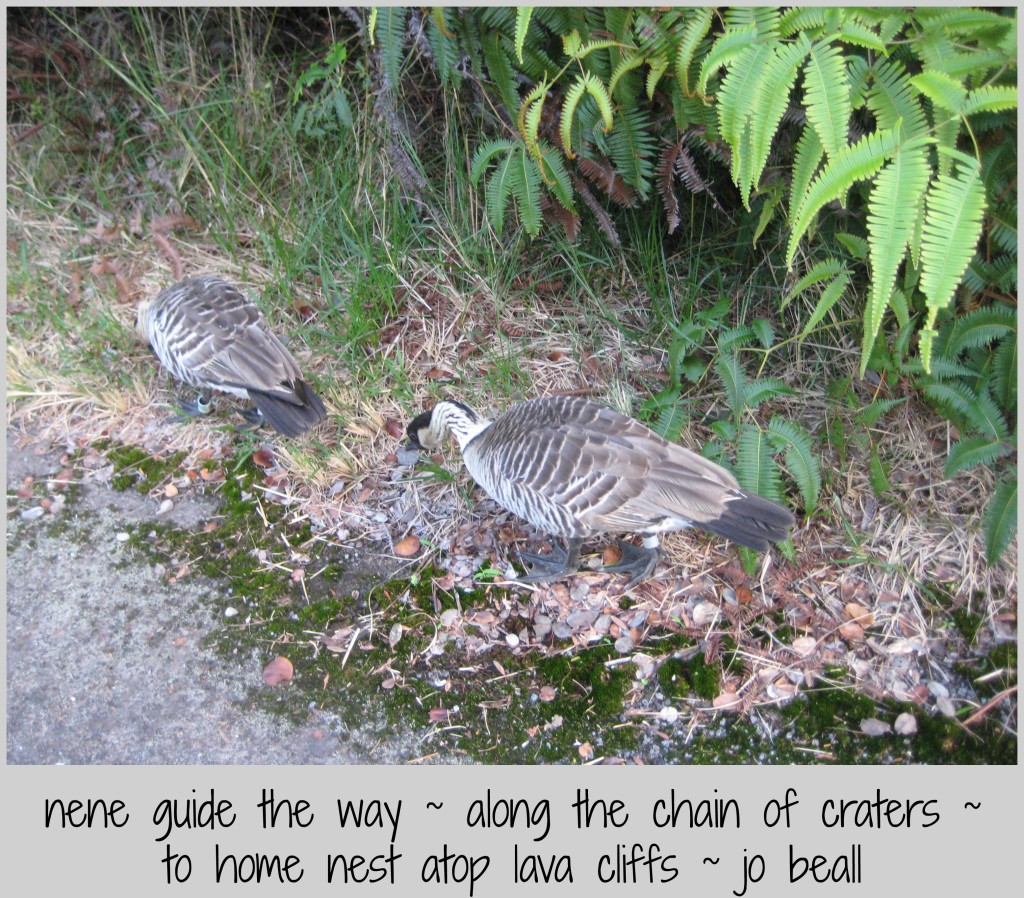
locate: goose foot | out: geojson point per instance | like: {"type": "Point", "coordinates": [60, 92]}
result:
{"type": "Point", "coordinates": [253, 417]}
{"type": "Point", "coordinates": [200, 406]}
{"type": "Point", "coordinates": [560, 563]}
{"type": "Point", "coordinates": [639, 561]}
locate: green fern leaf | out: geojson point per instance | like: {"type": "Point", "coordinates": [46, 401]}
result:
{"type": "Point", "coordinates": [755, 468]}
{"type": "Point", "coordinates": [764, 18]}
{"type": "Point", "coordinates": [499, 69]}
{"type": "Point", "coordinates": [827, 96]}
{"type": "Point", "coordinates": [1000, 518]}
{"type": "Point", "coordinates": [1004, 379]}
{"type": "Point", "coordinates": [526, 189]}
{"type": "Point", "coordinates": [893, 99]}
{"type": "Point", "coordinates": [856, 246]}
{"type": "Point", "coordinates": [729, 371]}
{"type": "Point", "coordinates": [730, 45]}
{"type": "Point", "coordinates": [484, 154]}
{"type": "Point", "coordinates": [696, 28]}
{"type": "Point", "coordinates": [979, 413]}
{"type": "Point", "coordinates": [852, 32]}
{"type": "Point", "coordinates": [737, 95]}
{"type": "Point", "coordinates": [764, 332]}
{"type": "Point", "coordinates": [626, 64]}
{"type": "Point", "coordinates": [631, 148]}
{"type": "Point", "coordinates": [801, 461]}
{"type": "Point", "coordinates": [954, 208]}
{"type": "Point", "coordinates": [851, 164]}
{"type": "Point", "coordinates": [391, 36]}
{"type": "Point", "coordinates": [735, 337]}
{"type": "Point", "coordinates": [523, 15]}
{"type": "Point", "coordinates": [869, 415]}
{"type": "Point", "coordinates": [659, 65]}
{"type": "Point", "coordinates": [990, 99]}
{"type": "Point", "coordinates": [979, 328]}
{"type": "Point", "coordinates": [572, 99]}
{"type": "Point", "coordinates": [591, 46]}
{"type": "Point", "coordinates": [945, 92]}
{"type": "Point", "coordinates": [772, 198]}
{"type": "Point", "coordinates": [765, 389]}
{"type": "Point", "coordinates": [444, 44]}
{"type": "Point", "coordinates": [829, 297]}
{"type": "Point", "coordinates": [809, 154]}
{"type": "Point", "coordinates": [529, 117]}
{"type": "Point", "coordinates": [892, 208]}
{"type": "Point", "coordinates": [499, 189]}
{"type": "Point", "coordinates": [898, 302]}
{"type": "Point", "coordinates": [806, 19]}
{"type": "Point", "coordinates": [555, 176]}
{"type": "Point", "coordinates": [820, 271]}
{"type": "Point", "coordinates": [770, 103]}
{"type": "Point", "coordinates": [878, 476]}
{"type": "Point", "coordinates": [973, 451]}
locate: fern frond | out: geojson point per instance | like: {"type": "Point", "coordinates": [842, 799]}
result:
{"type": "Point", "coordinates": [755, 468]}
{"type": "Point", "coordinates": [973, 451]}
{"type": "Point", "coordinates": [764, 332]}
{"type": "Point", "coordinates": [484, 154]}
{"type": "Point", "coordinates": [990, 99]}
{"type": "Point", "coordinates": [852, 32]}
{"type": "Point", "coordinates": [734, 337]}
{"type": "Point", "coordinates": [856, 246]}
{"type": "Point", "coordinates": [499, 189]}
{"type": "Point", "coordinates": [666, 171]}
{"type": "Point", "coordinates": [631, 146]}
{"type": "Point", "coordinates": [801, 461]}
{"type": "Point", "coordinates": [851, 164]}
{"type": "Point", "coordinates": [820, 271]}
{"type": "Point", "coordinates": [765, 389]}
{"type": "Point", "coordinates": [391, 34]}
{"type": "Point", "coordinates": [979, 328]}
{"type": "Point", "coordinates": [626, 64]}
{"type": "Point", "coordinates": [954, 208]}
{"type": "Point", "coordinates": [499, 70]}
{"type": "Point", "coordinates": [892, 211]}
{"type": "Point", "coordinates": [1004, 376]}
{"type": "Point", "coordinates": [726, 49]}
{"type": "Point", "coordinates": [808, 20]}
{"type": "Point", "coordinates": [809, 153]}
{"type": "Point", "coordinates": [893, 99]}
{"type": "Point", "coordinates": [523, 15]}
{"type": "Point", "coordinates": [730, 372]}
{"type": "Point", "coordinates": [977, 410]}
{"type": "Point", "coordinates": [944, 92]}
{"type": "Point", "coordinates": [770, 102]}
{"type": "Point", "coordinates": [827, 96]}
{"type": "Point", "coordinates": [829, 297]}
{"type": "Point", "coordinates": [869, 415]}
{"type": "Point", "coordinates": [764, 18]}
{"type": "Point", "coordinates": [1000, 518]}
{"type": "Point", "coordinates": [659, 65]}
{"type": "Point", "coordinates": [525, 183]}
{"type": "Point", "coordinates": [693, 33]}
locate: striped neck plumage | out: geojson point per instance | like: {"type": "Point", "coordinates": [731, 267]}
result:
{"type": "Point", "coordinates": [458, 419]}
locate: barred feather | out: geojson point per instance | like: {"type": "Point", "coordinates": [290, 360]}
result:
{"type": "Point", "coordinates": [576, 469]}
{"type": "Point", "coordinates": [209, 335]}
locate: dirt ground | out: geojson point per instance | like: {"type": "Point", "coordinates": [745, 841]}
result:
{"type": "Point", "coordinates": [106, 663]}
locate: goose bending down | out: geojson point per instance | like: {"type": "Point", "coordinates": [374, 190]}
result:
{"type": "Point", "coordinates": [208, 334]}
{"type": "Point", "coordinates": [575, 469]}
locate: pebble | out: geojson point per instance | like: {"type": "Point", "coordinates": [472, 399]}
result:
{"type": "Point", "coordinates": [165, 506]}
{"type": "Point", "coordinates": [230, 612]}
{"type": "Point", "coordinates": [30, 514]}
{"type": "Point", "coordinates": [122, 537]}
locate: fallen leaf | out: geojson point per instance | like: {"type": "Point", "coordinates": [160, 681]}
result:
{"type": "Point", "coordinates": [407, 547]}
{"type": "Point", "coordinates": [804, 645]}
{"type": "Point", "coordinates": [439, 374]}
{"type": "Point", "coordinates": [298, 575]}
{"type": "Point", "coordinates": [906, 724]}
{"type": "Point", "coordinates": [548, 693]}
{"type": "Point", "coordinates": [170, 491]}
{"type": "Point", "coordinates": [872, 726]}
{"type": "Point", "coordinates": [209, 526]}
{"type": "Point", "coordinates": [556, 355]}
{"type": "Point", "coordinates": [389, 683]}
{"type": "Point", "coordinates": [262, 458]}
{"type": "Point", "coordinates": [208, 475]}
{"type": "Point", "coordinates": [586, 751]}
{"type": "Point", "coordinates": [439, 715]}
{"type": "Point", "coordinates": [851, 631]}
{"type": "Point", "coordinates": [395, 634]}
{"type": "Point", "coordinates": [280, 670]}
{"type": "Point", "coordinates": [859, 613]}
{"type": "Point", "coordinates": [611, 554]}
{"type": "Point", "coordinates": [726, 700]}
{"type": "Point", "coordinates": [744, 595]}
{"type": "Point", "coordinates": [394, 429]}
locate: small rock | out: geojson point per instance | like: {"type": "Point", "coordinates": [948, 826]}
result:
{"type": "Point", "coordinates": [230, 612]}
{"type": "Point", "coordinates": [407, 457]}
{"type": "Point", "coordinates": [872, 726]}
{"type": "Point", "coordinates": [668, 714]}
{"type": "Point", "coordinates": [624, 645]}
{"type": "Point", "coordinates": [512, 639]}
{"type": "Point", "coordinates": [165, 506]}
{"type": "Point", "coordinates": [30, 514]}
{"type": "Point", "coordinates": [122, 537]}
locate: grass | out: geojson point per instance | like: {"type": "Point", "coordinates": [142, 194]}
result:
{"type": "Point", "coordinates": [146, 145]}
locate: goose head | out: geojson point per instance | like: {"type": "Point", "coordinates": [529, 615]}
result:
{"type": "Point", "coordinates": [429, 429]}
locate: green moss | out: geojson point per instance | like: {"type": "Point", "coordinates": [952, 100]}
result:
{"type": "Point", "coordinates": [135, 468]}
{"type": "Point", "coordinates": [706, 678]}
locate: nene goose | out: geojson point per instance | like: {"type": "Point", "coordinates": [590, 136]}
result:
{"type": "Point", "coordinates": [576, 469]}
{"type": "Point", "coordinates": [211, 336]}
